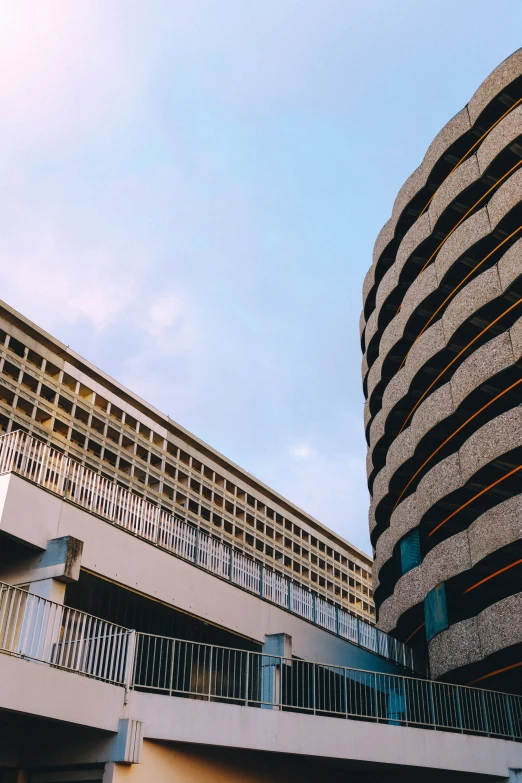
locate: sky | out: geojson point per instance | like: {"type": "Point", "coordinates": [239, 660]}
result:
{"type": "Point", "coordinates": [190, 191]}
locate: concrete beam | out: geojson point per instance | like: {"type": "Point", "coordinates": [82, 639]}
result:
{"type": "Point", "coordinates": [61, 560]}
{"type": "Point", "coordinates": [34, 516]}
{"type": "Point", "coordinates": [225, 725]}
{"type": "Point", "coordinates": [44, 691]}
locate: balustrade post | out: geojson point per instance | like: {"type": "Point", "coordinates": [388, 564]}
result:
{"type": "Point", "coordinates": [358, 632]}
{"type": "Point", "coordinates": [196, 546]}
{"type": "Point", "coordinates": [484, 712]}
{"type": "Point", "coordinates": [247, 664]}
{"type": "Point", "coordinates": [337, 620]}
{"type": "Point", "coordinates": [509, 716]}
{"type": "Point", "coordinates": [279, 673]}
{"type": "Point", "coordinates": [172, 659]}
{"type": "Point", "coordinates": [261, 572]}
{"type": "Point", "coordinates": [432, 704]}
{"type": "Point", "coordinates": [313, 688]}
{"type": "Point", "coordinates": [67, 473]}
{"type": "Point", "coordinates": [375, 702]}
{"type": "Point", "coordinates": [230, 565]}
{"type": "Point", "coordinates": [210, 675]}
{"type": "Point", "coordinates": [157, 540]}
{"type": "Point", "coordinates": [459, 711]}
{"type": "Point", "coordinates": [130, 664]}
{"type": "Point", "coordinates": [289, 595]}
{"type": "Point", "coordinates": [314, 608]}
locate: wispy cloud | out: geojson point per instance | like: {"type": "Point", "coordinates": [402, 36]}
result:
{"type": "Point", "coordinates": [64, 70]}
{"type": "Point", "coordinates": [58, 281]}
{"type": "Point", "coordinates": [301, 451]}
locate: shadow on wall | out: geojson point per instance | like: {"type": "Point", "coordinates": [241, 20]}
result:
{"type": "Point", "coordinates": [176, 763]}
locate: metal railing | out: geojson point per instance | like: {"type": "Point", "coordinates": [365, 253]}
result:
{"type": "Point", "coordinates": [40, 630]}
{"type": "Point", "coordinates": [35, 460]}
{"type": "Point", "coordinates": [200, 671]}
{"type": "Point", "coordinates": [37, 629]}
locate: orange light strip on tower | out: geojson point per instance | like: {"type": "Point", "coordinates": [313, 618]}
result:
{"type": "Point", "coordinates": [432, 384]}
{"type": "Point", "coordinates": [497, 671]}
{"type": "Point", "coordinates": [463, 218]}
{"type": "Point", "coordinates": [482, 492]}
{"type": "Point", "coordinates": [503, 177]}
{"type": "Point", "coordinates": [469, 153]}
{"type": "Point", "coordinates": [477, 413]}
{"type": "Point", "coordinates": [437, 311]}
{"type": "Point", "coordinates": [415, 631]}
{"type": "Point", "coordinates": [491, 576]}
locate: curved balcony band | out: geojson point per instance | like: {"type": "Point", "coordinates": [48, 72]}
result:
{"type": "Point", "coordinates": [441, 334]}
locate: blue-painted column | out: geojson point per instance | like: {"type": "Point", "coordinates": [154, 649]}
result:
{"type": "Point", "coordinates": [410, 551]}
{"type": "Point", "coordinates": [435, 611]}
{"type": "Point", "coordinates": [395, 702]}
{"type": "Point", "coordinates": [276, 648]}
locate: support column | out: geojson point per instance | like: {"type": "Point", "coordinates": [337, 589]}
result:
{"type": "Point", "coordinates": [276, 647]}
{"type": "Point", "coordinates": [125, 750]}
{"type": "Point", "coordinates": [44, 575]}
{"type": "Point", "coordinates": [435, 611]}
{"type": "Point", "coordinates": [48, 572]}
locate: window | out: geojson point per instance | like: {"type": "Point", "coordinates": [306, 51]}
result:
{"type": "Point", "coordinates": [27, 408]}
{"type": "Point", "coordinates": [16, 347]}
{"type": "Point", "coordinates": [65, 404]}
{"type": "Point", "coordinates": [61, 428]}
{"type": "Point", "coordinates": [69, 381]}
{"type": "Point", "coordinates": [30, 382]}
{"type": "Point", "coordinates": [81, 415]}
{"type": "Point", "coordinates": [78, 438]}
{"type": "Point", "coordinates": [11, 371]}
{"type": "Point", "coordinates": [97, 425]}
{"type": "Point", "coordinates": [51, 369]}
{"type": "Point", "coordinates": [34, 358]}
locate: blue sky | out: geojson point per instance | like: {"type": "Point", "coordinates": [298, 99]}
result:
{"type": "Point", "coordinates": [190, 192]}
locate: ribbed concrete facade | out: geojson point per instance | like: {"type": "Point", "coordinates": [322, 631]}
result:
{"type": "Point", "coordinates": [57, 396]}
{"type": "Point", "coordinates": [441, 334]}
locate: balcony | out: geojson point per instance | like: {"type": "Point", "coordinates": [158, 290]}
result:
{"type": "Point", "coordinates": [48, 468]}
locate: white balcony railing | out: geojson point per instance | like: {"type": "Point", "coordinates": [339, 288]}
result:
{"type": "Point", "coordinates": [39, 630]}
{"type": "Point", "coordinates": [34, 460]}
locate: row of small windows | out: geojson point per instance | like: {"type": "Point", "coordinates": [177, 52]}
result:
{"type": "Point", "coordinates": [238, 533]}
{"type": "Point", "coordinates": [239, 536]}
{"type": "Point", "coordinates": [136, 449]}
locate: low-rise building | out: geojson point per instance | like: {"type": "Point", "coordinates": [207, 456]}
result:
{"type": "Point", "coordinates": [52, 393]}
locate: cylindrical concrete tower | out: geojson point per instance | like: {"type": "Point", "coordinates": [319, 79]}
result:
{"type": "Point", "coordinates": [441, 334]}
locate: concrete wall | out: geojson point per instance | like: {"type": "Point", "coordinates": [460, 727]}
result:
{"type": "Point", "coordinates": [75, 721]}
{"type": "Point", "coordinates": [35, 516]}
{"type": "Point", "coordinates": [186, 764]}
{"type": "Point", "coordinates": [247, 728]}
{"type": "Point", "coordinates": [40, 690]}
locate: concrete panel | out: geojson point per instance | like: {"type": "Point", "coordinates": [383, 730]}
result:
{"type": "Point", "coordinates": [123, 558]}
{"type": "Point", "coordinates": [27, 512]}
{"type": "Point", "coordinates": [41, 690]}
{"type": "Point", "coordinates": [208, 723]}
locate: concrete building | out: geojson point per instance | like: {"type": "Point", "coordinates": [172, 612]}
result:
{"type": "Point", "coordinates": [49, 391]}
{"type": "Point", "coordinates": [137, 646]}
{"type": "Point", "coordinates": [165, 617]}
{"type": "Point", "coordinates": [441, 334]}
{"type": "Point", "coordinates": [127, 653]}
